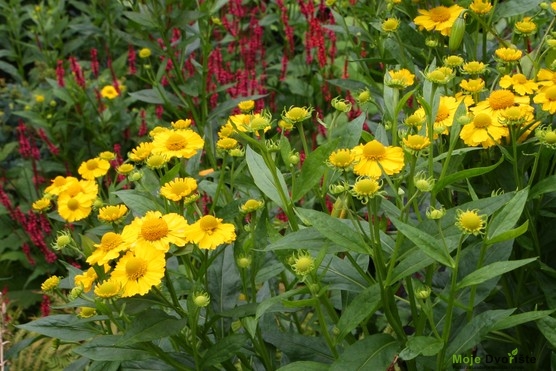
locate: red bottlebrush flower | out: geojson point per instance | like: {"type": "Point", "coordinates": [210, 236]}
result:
{"type": "Point", "coordinates": [27, 251]}
{"type": "Point", "coordinates": [288, 29]}
{"type": "Point", "coordinates": [94, 62]}
{"type": "Point", "coordinates": [131, 58]}
{"type": "Point", "coordinates": [143, 128]}
{"type": "Point", "coordinates": [115, 82]}
{"type": "Point", "coordinates": [159, 110]}
{"type": "Point", "coordinates": [25, 147]}
{"type": "Point", "coordinates": [45, 306]}
{"type": "Point", "coordinates": [51, 147]}
{"type": "Point", "coordinates": [77, 72]}
{"type": "Point", "coordinates": [60, 72]}
{"type": "Point", "coordinates": [281, 216]}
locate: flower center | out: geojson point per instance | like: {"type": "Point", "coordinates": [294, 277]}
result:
{"type": "Point", "coordinates": [482, 120]}
{"type": "Point", "coordinates": [304, 264]}
{"type": "Point", "coordinates": [136, 268]}
{"type": "Point", "coordinates": [500, 99]}
{"type": "Point", "coordinates": [110, 240]}
{"type": "Point", "coordinates": [341, 158]}
{"type": "Point", "coordinates": [443, 113]}
{"type": "Point", "coordinates": [73, 204]}
{"type": "Point", "coordinates": [208, 223]}
{"type": "Point", "coordinates": [439, 14]}
{"type": "Point", "coordinates": [417, 141]}
{"type": "Point", "coordinates": [92, 164]}
{"type": "Point", "coordinates": [550, 137]}
{"type": "Point", "coordinates": [154, 229]}
{"type": "Point", "coordinates": [296, 113]}
{"type": "Point", "coordinates": [366, 187]}
{"type": "Point", "coordinates": [175, 142]}
{"type": "Point", "coordinates": [551, 93]}
{"type": "Point", "coordinates": [471, 221]}
{"type": "Point", "coordinates": [374, 150]}
{"type": "Point", "coordinates": [252, 204]}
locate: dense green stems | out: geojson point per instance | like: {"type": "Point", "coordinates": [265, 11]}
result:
{"type": "Point", "coordinates": [323, 326]}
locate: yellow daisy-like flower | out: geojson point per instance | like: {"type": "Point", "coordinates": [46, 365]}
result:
{"type": "Point", "coordinates": [181, 143]}
{"type": "Point", "coordinates": [109, 248]}
{"type": "Point", "coordinates": [519, 83]}
{"type": "Point", "coordinates": [157, 160]}
{"type": "Point", "coordinates": [497, 101]}
{"type": "Point", "coordinates": [472, 86]}
{"type": "Point", "coordinates": [373, 158]}
{"type": "Point", "coordinates": [296, 115]}
{"type": "Point", "coordinates": [546, 77]}
{"type": "Point", "coordinates": [416, 142]}
{"type": "Point", "coordinates": [251, 205]}
{"type": "Point", "coordinates": [108, 289]}
{"type": "Point", "coordinates": [227, 144]}
{"type": "Point", "coordinates": [546, 136]}
{"type": "Point", "coordinates": [341, 159]}
{"type": "Point", "coordinates": [145, 53]}
{"type": "Point", "coordinates": [157, 230]}
{"type": "Point", "coordinates": [470, 222]}
{"type": "Point", "coordinates": [473, 68]}
{"type": "Point", "coordinates": [366, 188]}
{"type": "Point", "coordinates": [547, 99]}
{"type": "Point", "coordinates": [390, 25]}
{"type": "Point", "coordinates": [179, 188]}
{"type": "Point", "coordinates": [508, 54]}
{"type": "Point", "coordinates": [139, 270]}
{"type": "Point", "coordinates": [86, 279]}
{"type": "Point", "coordinates": [85, 188]}
{"type": "Point", "coordinates": [86, 312]}
{"type": "Point", "coordinates": [303, 263]}
{"type": "Point", "coordinates": [416, 119]}
{"type": "Point", "coordinates": [141, 152]}
{"type": "Point", "coordinates": [526, 26]}
{"type": "Point", "coordinates": [453, 61]}
{"type": "Point", "coordinates": [209, 232]}
{"type": "Point", "coordinates": [50, 284]}
{"type": "Point", "coordinates": [440, 75]}
{"type": "Point", "coordinates": [125, 169]}
{"type": "Point", "coordinates": [439, 19]}
{"type": "Point", "coordinates": [109, 92]}
{"type": "Point", "coordinates": [553, 6]}
{"type": "Point", "coordinates": [181, 124]}
{"type": "Point", "coordinates": [447, 107]}
{"type": "Point", "coordinates": [226, 130]}
{"type": "Point", "coordinates": [157, 130]}
{"type": "Point", "coordinates": [58, 184]}
{"type": "Point", "coordinates": [246, 106]}
{"type": "Point", "coordinates": [73, 209]}
{"type": "Point", "coordinates": [93, 168]}
{"type": "Point", "coordinates": [483, 130]}
{"type": "Point", "coordinates": [480, 7]}
{"type": "Point", "coordinates": [112, 213]}
{"type": "Point", "coordinates": [41, 205]}
{"type": "Point", "coordinates": [399, 79]}
{"type": "Point", "coordinates": [107, 155]}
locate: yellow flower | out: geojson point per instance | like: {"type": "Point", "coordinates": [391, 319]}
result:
{"type": "Point", "coordinates": [441, 75]}
{"type": "Point", "coordinates": [145, 53]}
{"type": "Point", "coordinates": [547, 98]}
{"type": "Point", "coordinates": [93, 168]}
{"type": "Point", "coordinates": [112, 213]}
{"type": "Point", "coordinates": [296, 114]}
{"type": "Point", "coordinates": [480, 7]}
{"type": "Point", "coordinates": [453, 61]}
{"type": "Point", "coordinates": [546, 136]}
{"type": "Point", "coordinates": [470, 222]}
{"type": "Point", "coordinates": [399, 79]}
{"type": "Point", "coordinates": [439, 19]}
{"type": "Point", "coordinates": [181, 124]}
{"type": "Point", "coordinates": [107, 155]}
{"type": "Point", "coordinates": [508, 54]}
{"type": "Point", "coordinates": [227, 144]}
{"type": "Point", "coordinates": [50, 284]}
{"type": "Point", "coordinates": [139, 270]}
{"type": "Point", "coordinates": [435, 214]}
{"type": "Point", "coordinates": [141, 152]}
{"type": "Point", "coordinates": [483, 130]}
{"type": "Point", "coordinates": [473, 68]}
{"type": "Point", "coordinates": [157, 161]}
{"type": "Point", "coordinates": [157, 230]}
{"type": "Point", "coordinates": [206, 172]}
{"type": "Point", "coordinates": [365, 188]}
{"type": "Point", "coordinates": [390, 25]}
{"type": "Point", "coordinates": [86, 188]}
{"type": "Point", "coordinates": [251, 205]}
{"type": "Point", "coordinates": [74, 208]}
{"type": "Point", "coordinates": [125, 168]}
{"type": "Point", "coordinates": [341, 159]}
{"type": "Point", "coordinates": [472, 86]}
{"type": "Point", "coordinates": [86, 312]}
{"type": "Point", "coordinates": [62, 240]}
{"type": "Point", "coordinates": [179, 188]}
{"type": "Point", "coordinates": [285, 125]}
{"type": "Point", "coordinates": [109, 248]}
{"type": "Point", "coordinates": [373, 158]}
{"type": "Point", "coordinates": [181, 143]}
{"type": "Point", "coordinates": [86, 279]}
{"type": "Point", "coordinates": [416, 142]}
{"type": "Point", "coordinates": [246, 106]}
{"type": "Point", "coordinates": [209, 232]}
{"type": "Point", "coordinates": [108, 289]}
{"type": "Point", "coordinates": [41, 205]}
{"type": "Point", "coordinates": [109, 92]}
{"type": "Point", "coordinates": [416, 119]}
{"type": "Point", "coordinates": [363, 96]}
{"type": "Point", "coordinates": [498, 101]}
{"type": "Point", "coordinates": [58, 184]}
{"type": "Point", "coordinates": [447, 107]}
{"type": "Point", "coordinates": [39, 98]}
{"type": "Point", "coordinates": [517, 115]}
{"type": "Point", "coordinates": [157, 130]}
{"type": "Point", "coordinates": [423, 183]}
{"type": "Point", "coordinates": [519, 84]}
{"type": "Point", "coordinates": [303, 263]}
{"type": "Point", "coordinates": [526, 26]}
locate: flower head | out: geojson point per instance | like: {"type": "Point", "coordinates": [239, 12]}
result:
{"type": "Point", "coordinates": [473, 68]}
{"type": "Point", "coordinates": [179, 188]}
{"type": "Point", "coordinates": [472, 86]}
{"type": "Point", "coordinates": [86, 312]}
{"type": "Point", "coordinates": [435, 214]}
{"type": "Point", "coordinates": [50, 284]}
{"type": "Point", "coordinates": [180, 143]}
{"type": "Point", "coordinates": [109, 248]}
{"type": "Point", "coordinates": [399, 79]}
{"type": "Point", "coordinates": [251, 205]}
{"type": "Point", "coordinates": [526, 26]}
{"type": "Point", "coordinates": [74, 208]}
{"type": "Point", "coordinates": [453, 61]}
{"type": "Point", "coordinates": [440, 18]}
{"type": "Point", "coordinates": [470, 222]}
{"type": "Point", "coordinates": [366, 188]}
{"type": "Point", "coordinates": [157, 230]}
{"type": "Point", "coordinates": [93, 168]}
{"type": "Point", "coordinates": [480, 7]}
{"type": "Point", "coordinates": [227, 144]}
{"type": "Point", "coordinates": [483, 130]}
{"type": "Point", "coordinates": [125, 169]}
{"type": "Point", "coordinates": [246, 106]}
{"type": "Point", "coordinates": [373, 158]}
{"type": "Point", "coordinates": [519, 83]}
{"type": "Point", "coordinates": [109, 92]}
{"type": "Point", "coordinates": [546, 136]}
{"type": "Point", "coordinates": [181, 124]}
{"type": "Point", "coordinates": [546, 97]}
{"type": "Point", "coordinates": [341, 105]}
{"type": "Point", "coordinates": [416, 143]}
{"type": "Point", "coordinates": [41, 204]}
{"type": "Point", "coordinates": [390, 25]}
{"type": "Point", "coordinates": [201, 299]}
{"type": "Point", "coordinates": [141, 152]}
{"type": "Point", "coordinates": [296, 115]}
{"type": "Point", "coordinates": [508, 54]}
{"type": "Point", "coordinates": [108, 289]}
{"type": "Point", "coordinates": [303, 263]}
{"type": "Point", "coordinates": [423, 183]}
{"type": "Point", "coordinates": [440, 75]}
{"type": "Point", "coordinates": [112, 213]}
{"type": "Point", "coordinates": [341, 159]}
{"type": "Point", "coordinates": [144, 53]}
{"type": "Point", "coordinates": [209, 232]}
{"type": "Point", "coordinates": [85, 280]}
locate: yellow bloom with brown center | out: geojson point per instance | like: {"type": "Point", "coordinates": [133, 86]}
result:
{"type": "Point", "coordinates": [246, 106]}
{"type": "Point", "coordinates": [374, 158]}
{"type": "Point", "coordinates": [547, 99]}
{"type": "Point", "coordinates": [109, 92]}
{"type": "Point", "coordinates": [50, 284]}
{"type": "Point", "coordinates": [178, 189]}
{"type": "Point", "coordinates": [157, 230]}
{"type": "Point", "coordinates": [180, 143]}
{"type": "Point", "coordinates": [41, 204]}
{"type": "Point", "coordinates": [416, 142]}
{"type": "Point", "coordinates": [93, 168]}
{"type": "Point", "coordinates": [139, 270]}
{"type": "Point", "coordinates": [390, 25]}
{"type": "Point", "coordinates": [112, 213]}
{"type": "Point", "coordinates": [472, 86]}
{"type": "Point", "coordinates": [141, 152]}
{"type": "Point", "coordinates": [440, 18]}
{"type": "Point", "coordinates": [470, 222]}
{"type": "Point", "coordinates": [108, 289]}
{"type": "Point", "coordinates": [341, 159]}
{"type": "Point", "coordinates": [365, 188]}
{"type": "Point", "coordinates": [399, 79]}
{"type": "Point", "coordinates": [473, 68]}
{"type": "Point", "coordinates": [519, 83]}
{"type": "Point", "coordinates": [181, 124]}
{"type": "Point", "coordinates": [296, 115]}
{"type": "Point", "coordinates": [526, 26]}
{"type": "Point", "coordinates": [508, 54]}
{"type": "Point", "coordinates": [483, 130]}
{"type": "Point", "coordinates": [209, 232]}
{"type": "Point", "coordinates": [480, 7]}
{"type": "Point", "coordinates": [109, 248]}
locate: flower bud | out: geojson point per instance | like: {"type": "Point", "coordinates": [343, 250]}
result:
{"type": "Point", "coordinates": [201, 299]}
{"type": "Point", "coordinates": [457, 32]}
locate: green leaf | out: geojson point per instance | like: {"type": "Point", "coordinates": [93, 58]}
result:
{"type": "Point", "coordinates": [312, 170]}
{"type": "Point", "coordinates": [349, 133]}
{"type": "Point", "coordinates": [66, 327]}
{"type": "Point", "coordinates": [337, 230]}
{"type": "Point", "coordinates": [263, 177]}
{"type": "Point", "coordinates": [223, 350]}
{"type": "Point", "coordinates": [361, 307]}
{"type": "Point", "coordinates": [464, 174]}
{"type": "Point", "coordinates": [506, 218]}
{"type": "Point", "coordinates": [137, 202]}
{"type": "Point", "coordinates": [153, 96]}
{"type": "Point", "coordinates": [266, 304]}
{"type": "Point", "coordinates": [306, 238]}
{"type": "Point", "coordinates": [547, 325]}
{"type": "Point", "coordinates": [171, 174]}
{"type": "Point", "coordinates": [7, 149]}
{"type": "Point", "coordinates": [474, 331]}
{"type": "Point", "coordinates": [106, 348]}
{"type": "Point", "coordinates": [376, 352]}
{"type": "Point", "coordinates": [492, 270]}
{"type": "Point", "coordinates": [305, 366]}
{"type": "Point", "coordinates": [224, 282]}
{"type": "Point", "coordinates": [348, 84]}
{"type": "Point", "coordinates": [10, 70]}
{"type": "Point", "coordinates": [150, 325]}
{"type": "Point", "coordinates": [518, 319]}
{"type": "Point", "coordinates": [425, 242]}
{"type": "Point", "coordinates": [509, 235]}
{"type": "Point", "coordinates": [546, 185]}
{"type": "Point", "coordinates": [421, 345]}
{"type": "Point", "coordinates": [513, 8]}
